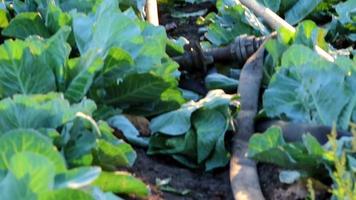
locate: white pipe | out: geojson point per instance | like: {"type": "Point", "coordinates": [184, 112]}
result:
{"type": "Point", "coordinates": [275, 22]}
{"type": "Point", "coordinates": [152, 12]}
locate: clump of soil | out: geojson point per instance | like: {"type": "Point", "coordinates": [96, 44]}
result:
{"type": "Point", "coordinates": [211, 185]}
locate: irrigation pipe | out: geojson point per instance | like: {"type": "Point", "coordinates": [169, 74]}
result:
{"type": "Point", "coordinates": [152, 12]}
{"type": "Point", "coordinates": [243, 172]}
{"type": "Point", "coordinates": [276, 22]}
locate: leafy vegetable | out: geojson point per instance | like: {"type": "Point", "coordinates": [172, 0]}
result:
{"type": "Point", "coordinates": [27, 139]}
{"type": "Point", "coordinates": [56, 54]}
{"type": "Point", "coordinates": [80, 75]}
{"type": "Point", "coordinates": [136, 89]}
{"type": "Point", "coordinates": [232, 20]}
{"type": "Point", "coordinates": [33, 66]}
{"type": "Point", "coordinates": [115, 54]}
{"type": "Point", "coordinates": [189, 137]}
{"type": "Point", "coordinates": [4, 22]}
{"type": "Point", "coordinates": [77, 178]}
{"type": "Point", "coordinates": [300, 10]}
{"type": "Point", "coordinates": [85, 142]}
{"type": "Point", "coordinates": [31, 164]}
{"type": "Point", "coordinates": [39, 111]}
{"type": "Point", "coordinates": [122, 183]}
{"type": "Point", "coordinates": [306, 88]}
{"type": "Point", "coordinates": [31, 141]}
{"type": "Point", "coordinates": [26, 24]}
{"type": "Point", "coordinates": [342, 27]}
{"type": "Point", "coordinates": [309, 158]}
{"type": "Point", "coordinates": [65, 5]}
{"type": "Point", "coordinates": [345, 10]}
{"type": "Point", "coordinates": [273, 5]}
{"type": "Point", "coordinates": [270, 147]}
{"type": "Point", "coordinates": [120, 122]}
{"type": "Point", "coordinates": [294, 11]}
{"type": "Point", "coordinates": [79, 49]}
{"type": "Point", "coordinates": [311, 90]}
{"type": "Point", "coordinates": [132, 67]}
{"type": "Point", "coordinates": [219, 81]}
{"type": "Point", "coordinates": [110, 156]}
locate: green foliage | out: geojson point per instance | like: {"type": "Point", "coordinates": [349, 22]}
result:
{"type": "Point", "coordinates": [270, 147]}
{"type": "Point", "coordinates": [85, 142]}
{"type": "Point", "coordinates": [130, 132]}
{"type": "Point", "coordinates": [346, 13]}
{"type": "Point", "coordinates": [273, 5]}
{"type": "Point", "coordinates": [26, 24]}
{"type": "Point", "coordinates": [310, 158]}
{"type": "Point", "coordinates": [342, 153]}
{"type": "Point", "coordinates": [119, 55]}
{"type": "Point", "coordinates": [122, 63]}
{"type": "Point", "coordinates": [32, 167]}
{"type": "Point", "coordinates": [135, 65]}
{"type": "Point", "coordinates": [4, 22]}
{"type": "Point", "coordinates": [31, 66]}
{"type": "Point", "coordinates": [189, 136]}
{"type": "Point", "coordinates": [31, 141]}
{"type": "Point", "coordinates": [343, 24]}
{"type": "Point", "coordinates": [39, 111]}
{"type": "Point", "coordinates": [219, 81]}
{"type": "Point", "coordinates": [294, 11]}
{"type": "Point", "coordinates": [232, 20]}
{"type": "Point", "coordinates": [30, 163]}
{"type": "Point", "coordinates": [183, 1]}
{"type": "Point", "coordinates": [305, 87]}
{"type": "Point", "coordinates": [340, 28]}
{"type": "Point", "coordinates": [121, 183]}
{"type": "Point", "coordinates": [59, 53]}
{"type": "Point", "coordinates": [300, 10]}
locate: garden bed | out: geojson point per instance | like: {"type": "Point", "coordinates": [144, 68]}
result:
{"type": "Point", "coordinates": [195, 183]}
{"type": "Point", "coordinates": [98, 102]}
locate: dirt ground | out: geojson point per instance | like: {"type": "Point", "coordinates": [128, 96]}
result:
{"type": "Point", "coordinates": [184, 26]}
{"type": "Point", "coordinates": [195, 183]}
{"type": "Point", "coordinates": [273, 189]}
{"type": "Point", "coordinates": [198, 185]}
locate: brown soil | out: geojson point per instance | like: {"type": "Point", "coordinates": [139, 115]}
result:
{"type": "Point", "coordinates": [186, 26]}
{"type": "Point", "coordinates": [201, 186]}
{"type": "Point", "coordinates": [273, 189]}
{"type": "Point", "coordinates": [205, 186]}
